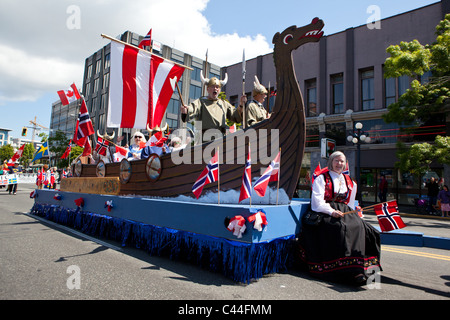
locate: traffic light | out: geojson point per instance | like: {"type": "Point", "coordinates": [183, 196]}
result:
{"type": "Point", "coordinates": [24, 132]}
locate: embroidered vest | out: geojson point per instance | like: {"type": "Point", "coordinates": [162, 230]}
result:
{"type": "Point", "coordinates": [329, 189]}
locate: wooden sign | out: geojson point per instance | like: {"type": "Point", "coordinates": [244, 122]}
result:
{"type": "Point", "coordinates": [94, 185]}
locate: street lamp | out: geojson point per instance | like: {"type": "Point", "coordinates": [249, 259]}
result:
{"type": "Point", "coordinates": [357, 138]}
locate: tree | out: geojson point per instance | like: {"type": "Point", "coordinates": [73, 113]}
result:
{"type": "Point", "coordinates": [423, 101]}
{"type": "Point", "coordinates": [6, 152]}
{"type": "Point", "coordinates": [28, 153]}
{"type": "Point", "coordinates": [58, 144]}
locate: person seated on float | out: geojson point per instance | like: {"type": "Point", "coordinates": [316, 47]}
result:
{"type": "Point", "coordinates": [212, 111]}
{"type": "Point", "coordinates": [255, 110]}
{"type": "Point", "coordinates": [156, 143]}
{"type": "Point", "coordinates": [136, 147]}
{"type": "Point", "coordinates": [339, 246]}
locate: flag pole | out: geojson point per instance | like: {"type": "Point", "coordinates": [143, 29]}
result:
{"type": "Point", "coordinates": [368, 207]}
{"type": "Point", "coordinates": [153, 54]}
{"type": "Point", "coordinates": [249, 150]}
{"type": "Point", "coordinates": [218, 176]}
{"type": "Point", "coordinates": [243, 87]}
{"type": "Point", "coordinates": [278, 182]}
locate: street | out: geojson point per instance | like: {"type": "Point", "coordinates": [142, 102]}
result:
{"type": "Point", "coordinates": [44, 261]}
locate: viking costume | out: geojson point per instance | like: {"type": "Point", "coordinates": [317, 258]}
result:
{"type": "Point", "coordinates": [338, 248]}
{"type": "Point", "coordinates": [255, 111]}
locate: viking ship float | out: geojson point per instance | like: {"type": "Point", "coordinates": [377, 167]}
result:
{"type": "Point", "coordinates": [136, 202]}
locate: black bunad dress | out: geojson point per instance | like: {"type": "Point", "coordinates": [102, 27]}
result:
{"type": "Point", "coordinates": [339, 248]}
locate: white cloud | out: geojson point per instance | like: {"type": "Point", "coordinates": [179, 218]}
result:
{"type": "Point", "coordinates": [39, 52]}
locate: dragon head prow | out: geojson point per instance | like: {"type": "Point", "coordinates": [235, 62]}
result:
{"type": "Point", "coordinates": [293, 37]}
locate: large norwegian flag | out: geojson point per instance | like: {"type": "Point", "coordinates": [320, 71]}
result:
{"type": "Point", "coordinates": [246, 188]}
{"type": "Point", "coordinates": [208, 175]}
{"type": "Point", "coordinates": [84, 126]}
{"type": "Point", "coordinates": [271, 174]}
{"type": "Point", "coordinates": [141, 85]}
{"type": "Point", "coordinates": [388, 216]}
{"type": "Point", "coordinates": [70, 95]}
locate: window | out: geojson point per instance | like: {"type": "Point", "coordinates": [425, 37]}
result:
{"type": "Point", "coordinates": [337, 132]}
{"type": "Point", "coordinates": [312, 136]}
{"type": "Point", "coordinates": [311, 98]}
{"type": "Point", "coordinates": [195, 92]}
{"type": "Point", "coordinates": [337, 86]}
{"type": "Point", "coordinates": [105, 80]}
{"type": "Point", "coordinates": [395, 87]}
{"type": "Point", "coordinates": [195, 75]}
{"type": "Point", "coordinates": [89, 71]}
{"type": "Point", "coordinates": [95, 85]}
{"type": "Point", "coordinates": [367, 90]}
{"type": "Point", "coordinates": [173, 106]}
{"type": "Point", "coordinates": [390, 91]}
{"type": "Point", "coordinates": [98, 66]}
{"type": "Point", "coordinates": [107, 60]}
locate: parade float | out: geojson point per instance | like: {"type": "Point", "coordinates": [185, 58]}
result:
{"type": "Point", "coordinates": [149, 203]}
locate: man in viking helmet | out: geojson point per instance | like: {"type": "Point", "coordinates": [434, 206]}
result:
{"type": "Point", "coordinates": [212, 111]}
{"type": "Point", "coordinates": [255, 111]}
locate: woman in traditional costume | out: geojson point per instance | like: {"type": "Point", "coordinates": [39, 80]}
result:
{"type": "Point", "coordinates": [340, 246]}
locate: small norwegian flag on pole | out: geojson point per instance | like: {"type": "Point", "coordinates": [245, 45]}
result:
{"type": "Point", "coordinates": [146, 41]}
{"type": "Point", "coordinates": [102, 146]}
{"type": "Point", "coordinates": [70, 95]}
{"type": "Point", "coordinates": [208, 175]}
{"type": "Point", "coordinates": [388, 216]}
{"type": "Point", "coordinates": [84, 127]}
{"type": "Point", "coordinates": [67, 152]}
{"type": "Point", "coordinates": [246, 188]}
{"type": "Point", "coordinates": [271, 174]}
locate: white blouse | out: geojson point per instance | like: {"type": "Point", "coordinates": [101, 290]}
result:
{"type": "Point", "coordinates": [318, 202]}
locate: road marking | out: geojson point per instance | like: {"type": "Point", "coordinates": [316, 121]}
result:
{"type": "Point", "coordinates": [416, 253]}
{"type": "Point", "coordinates": [75, 232]}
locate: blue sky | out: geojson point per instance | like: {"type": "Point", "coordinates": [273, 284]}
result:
{"type": "Point", "coordinates": [48, 52]}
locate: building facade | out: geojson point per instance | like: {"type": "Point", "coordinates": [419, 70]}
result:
{"type": "Point", "coordinates": [342, 82]}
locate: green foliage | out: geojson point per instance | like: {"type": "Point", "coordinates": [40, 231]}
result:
{"type": "Point", "coordinates": [413, 59]}
{"type": "Point", "coordinates": [58, 144]}
{"type": "Point", "coordinates": [6, 152]}
{"type": "Point", "coordinates": [418, 157]}
{"type": "Point", "coordinates": [422, 102]}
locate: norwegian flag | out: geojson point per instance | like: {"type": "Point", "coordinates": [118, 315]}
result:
{"type": "Point", "coordinates": [246, 188]}
{"type": "Point", "coordinates": [87, 148]}
{"type": "Point", "coordinates": [388, 216]}
{"type": "Point", "coordinates": [70, 95]}
{"type": "Point", "coordinates": [141, 86]}
{"type": "Point", "coordinates": [84, 126]}
{"type": "Point", "coordinates": [147, 40]}
{"type": "Point", "coordinates": [271, 174]}
{"type": "Point", "coordinates": [102, 146]}
{"type": "Point", "coordinates": [208, 175]}
{"type": "Point", "coordinates": [67, 152]}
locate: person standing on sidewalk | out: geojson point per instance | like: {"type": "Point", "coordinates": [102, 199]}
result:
{"type": "Point", "coordinates": [444, 197]}
{"type": "Point", "coordinates": [433, 190]}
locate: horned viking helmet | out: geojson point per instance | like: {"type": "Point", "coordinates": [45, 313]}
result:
{"type": "Point", "coordinates": [258, 88]}
{"type": "Point", "coordinates": [213, 81]}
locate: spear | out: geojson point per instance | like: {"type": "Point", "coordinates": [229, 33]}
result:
{"type": "Point", "coordinates": [243, 87]}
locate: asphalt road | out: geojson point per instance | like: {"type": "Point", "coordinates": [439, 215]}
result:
{"type": "Point", "coordinates": [41, 260]}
